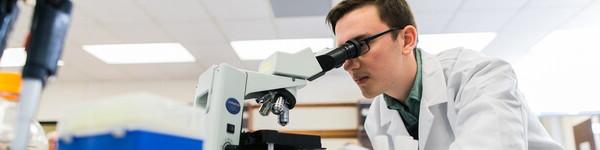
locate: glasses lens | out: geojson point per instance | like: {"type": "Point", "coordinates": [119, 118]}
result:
{"type": "Point", "coordinates": [364, 47]}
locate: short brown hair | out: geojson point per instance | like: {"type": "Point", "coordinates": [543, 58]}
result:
{"type": "Point", "coordinates": [394, 13]}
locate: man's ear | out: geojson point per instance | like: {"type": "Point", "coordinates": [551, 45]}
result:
{"type": "Point", "coordinates": [409, 34]}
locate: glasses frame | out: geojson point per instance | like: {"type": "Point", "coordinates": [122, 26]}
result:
{"type": "Point", "coordinates": [364, 43]}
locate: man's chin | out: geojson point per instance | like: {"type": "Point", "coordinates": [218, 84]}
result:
{"type": "Point", "coordinates": [369, 95]}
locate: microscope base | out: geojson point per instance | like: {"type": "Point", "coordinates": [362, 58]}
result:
{"type": "Point", "coordinates": [271, 139]}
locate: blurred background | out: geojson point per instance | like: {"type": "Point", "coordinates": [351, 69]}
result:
{"type": "Point", "coordinates": [552, 44]}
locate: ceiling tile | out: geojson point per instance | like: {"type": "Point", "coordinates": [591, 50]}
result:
{"type": "Point", "coordinates": [68, 73]}
{"type": "Point", "coordinates": [97, 70]}
{"type": "Point", "coordinates": [492, 4]}
{"type": "Point", "coordinates": [434, 5]}
{"type": "Point", "coordinates": [335, 2]}
{"type": "Point", "coordinates": [183, 71]}
{"type": "Point", "coordinates": [249, 29]}
{"type": "Point", "coordinates": [87, 30]}
{"type": "Point", "coordinates": [138, 32]}
{"type": "Point", "coordinates": [76, 58]}
{"type": "Point", "coordinates": [109, 11]}
{"type": "Point", "coordinates": [295, 8]}
{"type": "Point", "coordinates": [196, 32]}
{"type": "Point", "coordinates": [21, 27]}
{"type": "Point", "coordinates": [302, 27]}
{"type": "Point", "coordinates": [145, 71]}
{"type": "Point", "coordinates": [238, 9]}
{"type": "Point", "coordinates": [175, 10]}
{"type": "Point", "coordinates": [17, 36]}
{"type": "Point", "coordinates": [528, 27]}
{"type": "Point", "coordinates": [558, 3]}
{"type": "Point", "coordinates": [431, 23]}
{"type": "Point", "coordinates": [542, 19]}
{"type": "Point", "coordinates": [480, 20]}
{"type": "Point", "coordinates": [81, 16]}
{"type": "Point", "coordinates": [72, 52]}
{"type": "Point", "coordinates": [586, 19]}
{"type": "Point", "coordinates": [90, 33]}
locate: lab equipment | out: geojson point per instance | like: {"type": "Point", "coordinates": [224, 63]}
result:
{"type": "Point", "coordinates": [9, 94]}
{"type": "Point", "coordinates": [139, 121]}
{"type": "Point", "coordinates": [222, 89]}
{"type": "Point", "coordinates": [8, 15]}
{"type": "Point", "coordinates": [49, 25]}
{"type": "Point", "coordinates": [270, 139]}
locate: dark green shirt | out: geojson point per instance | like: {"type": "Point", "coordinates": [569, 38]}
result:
{"type": "Point", "coordinates": [409, 109]}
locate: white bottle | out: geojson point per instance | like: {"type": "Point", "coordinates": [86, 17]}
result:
{"type": "Point", "coordinates": [9, 92]}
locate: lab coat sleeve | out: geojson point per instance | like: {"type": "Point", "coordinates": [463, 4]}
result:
{"type": "Point", "coordinates": [489, 111]}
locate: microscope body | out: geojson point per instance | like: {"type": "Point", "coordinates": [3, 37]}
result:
{"type": "Point", "coordinates": [222, 89]}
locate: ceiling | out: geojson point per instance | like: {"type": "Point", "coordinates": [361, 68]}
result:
{"type": "Point", "coordinates": [205, 28]}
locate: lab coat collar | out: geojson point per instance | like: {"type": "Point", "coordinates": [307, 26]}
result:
{"type": "Point", "coordinates": [434, 93]}
{"type": "Point", "coordinates": [391, 122]}
{"type": "Point", "coordinates": [434, 81]}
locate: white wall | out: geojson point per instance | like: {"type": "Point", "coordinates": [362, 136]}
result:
{"type": "Point", "coordinates": [58, 96]}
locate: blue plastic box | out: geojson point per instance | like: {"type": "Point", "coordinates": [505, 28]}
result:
{"type": "Point", "coordinates": [132, 140]}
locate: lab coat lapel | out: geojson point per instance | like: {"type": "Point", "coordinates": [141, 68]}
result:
{"type": "Point", "coordinates": [434, 93]}
{"type": "Point", "coordinates": [391, 123]}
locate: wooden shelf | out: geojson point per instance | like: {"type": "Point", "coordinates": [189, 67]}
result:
{"type": "Point", "coordinates": [333, 133]}
{"type": "Point", "coordinates": [343, 133]}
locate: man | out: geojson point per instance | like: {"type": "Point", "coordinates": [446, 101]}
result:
{"type": "Point", "coordinates": [458, 99]}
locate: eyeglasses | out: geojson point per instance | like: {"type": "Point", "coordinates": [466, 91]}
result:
{"type": "Point", "coordinates": [364, 43]}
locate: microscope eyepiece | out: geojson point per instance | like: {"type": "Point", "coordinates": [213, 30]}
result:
{"type": "Point", "coordinates": [334, 58]}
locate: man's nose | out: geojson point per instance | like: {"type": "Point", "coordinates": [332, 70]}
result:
{"type": "Point", "coordinates": [351, 64]}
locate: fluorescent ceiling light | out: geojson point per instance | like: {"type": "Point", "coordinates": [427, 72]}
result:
{"type": "Point", "coordinates": [261, 49]}
{"type": "Point", "coordinates": [435, 43]}
{"type": "Point", "coordinates": [140, 53]}
{"type": "Point", "coordinates": [15, 57]}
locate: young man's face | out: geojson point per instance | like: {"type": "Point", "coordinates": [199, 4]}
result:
{"type": "Point", "coordinates": [380, 68]}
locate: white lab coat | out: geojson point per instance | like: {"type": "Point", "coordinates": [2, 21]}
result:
{"type": "Point", "coordinates": [469, 102]}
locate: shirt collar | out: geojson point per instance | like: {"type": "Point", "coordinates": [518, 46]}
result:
{"type": "Point", "coordinates": [415, 92]}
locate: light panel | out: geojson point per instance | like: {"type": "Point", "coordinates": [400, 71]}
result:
{"type": "Point", "coordinates": [140, 53]}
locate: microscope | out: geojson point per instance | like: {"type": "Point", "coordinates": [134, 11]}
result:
{"type": "Point", "coordinates": [222, 89]}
